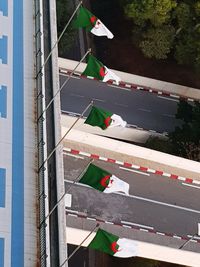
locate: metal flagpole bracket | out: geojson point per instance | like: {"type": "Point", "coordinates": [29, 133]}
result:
{"type": "Point", "coordinates": [81, 115]}
{"type": "Point", "coordinates": [192, 237]}
{"type": "Point", "coordinates": [68, 189]}
{"type": "Point", "coordinates": [67, 80]}
{"type": "Point", "coordinates": [61, 35]}
{"type": "Point", "coordinates": [67, 259]}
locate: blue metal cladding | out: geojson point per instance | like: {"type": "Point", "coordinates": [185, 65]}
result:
{"type": "Point", "coordinates": [2, 252]}
{"type": "Point", "coordinates": [3, 101]}
{"type": "Point", "coordinates": [2, 187]}
{"type": "Point", "coordinates": [4, 49]}
{"type": "Point", "coordinates": [4, 7]}
{"type": "Point", "coordinates": [17, 228]}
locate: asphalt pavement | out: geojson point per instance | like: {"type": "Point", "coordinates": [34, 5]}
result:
{"type": "Point", "coordinates": [165, 205]}
{"type": "Point", "coordinates": [142, 109]}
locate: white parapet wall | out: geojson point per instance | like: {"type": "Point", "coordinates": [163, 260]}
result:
{"type": "Point", "coordinates": [129, 134]}
{"type": "Point", "coordinates": [109, 148]}
{"type": "Point", "coordinates": [171, 88]}
{"type": "Point", "coordinates": [145, 250]}
{"type": "Point", "coordinates": [57, 119]}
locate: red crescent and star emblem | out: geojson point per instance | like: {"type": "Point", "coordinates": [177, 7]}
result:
{"type": "Point", "coordinates": [102, 72]}
{"type": "Point", "coordinates": [114, 247]}
{"type": "Point", "coordinates": [107, 121]}
{"type": "Point", "coordinates": [104, 180]}
{"type": "Point", "coordinates": [93, 20]}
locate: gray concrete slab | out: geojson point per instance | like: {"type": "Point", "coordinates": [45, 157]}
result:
{"type": "Point", "coordinates": [142, 184]}
{"type": "Point", "coordinates": [179, 219]}
{"type": "Point", "coordinates": [82, 223]}
{"type": "Point", "coordinates": [146, 110]}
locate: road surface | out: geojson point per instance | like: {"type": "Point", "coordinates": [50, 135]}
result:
{"type": "Point", "coordinates": [165, 205]}
{"type": "Point", "coordinates": [142, 109]}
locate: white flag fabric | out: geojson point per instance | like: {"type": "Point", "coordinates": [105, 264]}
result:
{"type": "Point", "coordinates": [117, 185]}
{"type": "Point", "coordinates": [117, 121]}
{"type": "Point", "coordinates": [101, 30]}
{"type": "Point", "coordinates": [198, 229]}
{"type": "Point", "coordinates": [110, 75]}
{"type": "Point", "coordinates": [127, 248]}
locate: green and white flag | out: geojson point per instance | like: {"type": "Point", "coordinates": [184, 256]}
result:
{"type": "Point", "coordinates": [96, 69]}
{"type": "Point", "coordinates": [90, 22]}
{"type": "Point", "coordinates": [103, 181]}
{"type": "Point", "coordinates": [113, 245]}
{"type": "Point", "coordinates": [104, 119]}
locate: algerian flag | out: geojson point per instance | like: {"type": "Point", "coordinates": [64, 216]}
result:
{"type": "Point", "coordinates": [113, 245]}
{"type": "Point", "coordinates": [103, 181]}
{"type": "Point", "coordinates": [198, 233]}
{"type": "Point", "coordinates": [91, 23]}
{"type": "Point", "coordinates": [97, 70]}
{"type": "Point", "coordinates": [104, 119]}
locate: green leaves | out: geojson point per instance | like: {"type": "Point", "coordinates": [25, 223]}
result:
{"type": "Point", "coordinates": [64, 10]}
{"type": "Point", "coordinates": [183, 16]}
{"type": "Point", "coordinates": [166, 26]}
{"type": "Point", "coordinates": [184, 141]}
{"type": "Point", "coordinates": [155, 11]}
{"type": "Point", "coordinates": [185, 111]}
{"type": "Point", "coordinates": [157, 42]}
{"type": "Point", "coordinates": [186, 138]}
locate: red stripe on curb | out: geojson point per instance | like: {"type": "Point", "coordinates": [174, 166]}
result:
{"type": "Point", "coordinates": [123, 84]}
{"type": "Point", "coordinates": [111, 160]}
{"type": "Point", "coordinates": [81, 216]}
{"type": "Point", "coordinates": [132, 86]}
{"type": "Point", "coordinates": [94, 156]}
{"type": "Point", "coordinates": [173, 176]}
{"type": "Point", "coordinates": [143, 169]}
{"type": "Point", "coordinates": [126, 164]}
{"type": "Point", "coordinates": [169, 234]}
{"type": "Point", "coordinates": [145, 89]}
{"type": "Point", "coordinates": [98, 220]}
{"type": "Point", "coordinates": [165, 94]}
{"type": "Point", "coordinates": [118, 224]}
{"type": "Point", "coordinates": [154, 91]}
{"type": "Point", "coordinates": [130, 165]}
{"type": "Point", "coordinates": [189, 180]}
{"type": "Point", "coordinates": [135, 227]}
{"type": "Point", "coordinates": [75, 151]}
{"type": "Point", "coordinates": [184, 238]}
{"type": "Point", "coordinates": [109, 82]}
{"type": "Point", "coordinates": [159, 172]}
{"type": "Point", "coordinates": [152, 231]}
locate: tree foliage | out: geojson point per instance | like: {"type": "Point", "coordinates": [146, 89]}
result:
{"type": "Point", "coordinates": [184, 141]}
{"type": "Point", "coordinates": [158, 42]}
{"type": "Point", "coordinates": [64, 10]}
{"type": "Point", "coordinates": [180, 20]}
{"type": "Point", "coordinates": [155, 11]}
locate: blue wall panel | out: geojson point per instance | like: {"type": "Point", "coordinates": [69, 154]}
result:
{"type": "Point", "coordinates": [4, 49]}
{"type": "Point", "coordinates": [17, 239]}
{"type": "Point", "coordinates": [3, 101]}
{"type": "Point", "coordinates": [4, 7]}
{"type": "Point", "coordinates": [2, 252]}
{"type": "Point", "coordinates": [2, 187]}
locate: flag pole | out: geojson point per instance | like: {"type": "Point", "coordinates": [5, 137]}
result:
{"type": "Point", "coordinates": [192, 237]}
{"type": "Point", "coordinates": [67, 259]}
{"type": "Point", "coordinates": [68, 189]}
{"type": "Point", "coordinates": [59, 90]}
{"type": "Point", "coordinates": [187, 241]}
{"type": "Point", "coordinates": [80, 116]}
{"type": "Point", "coordinates": [61, 35]}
